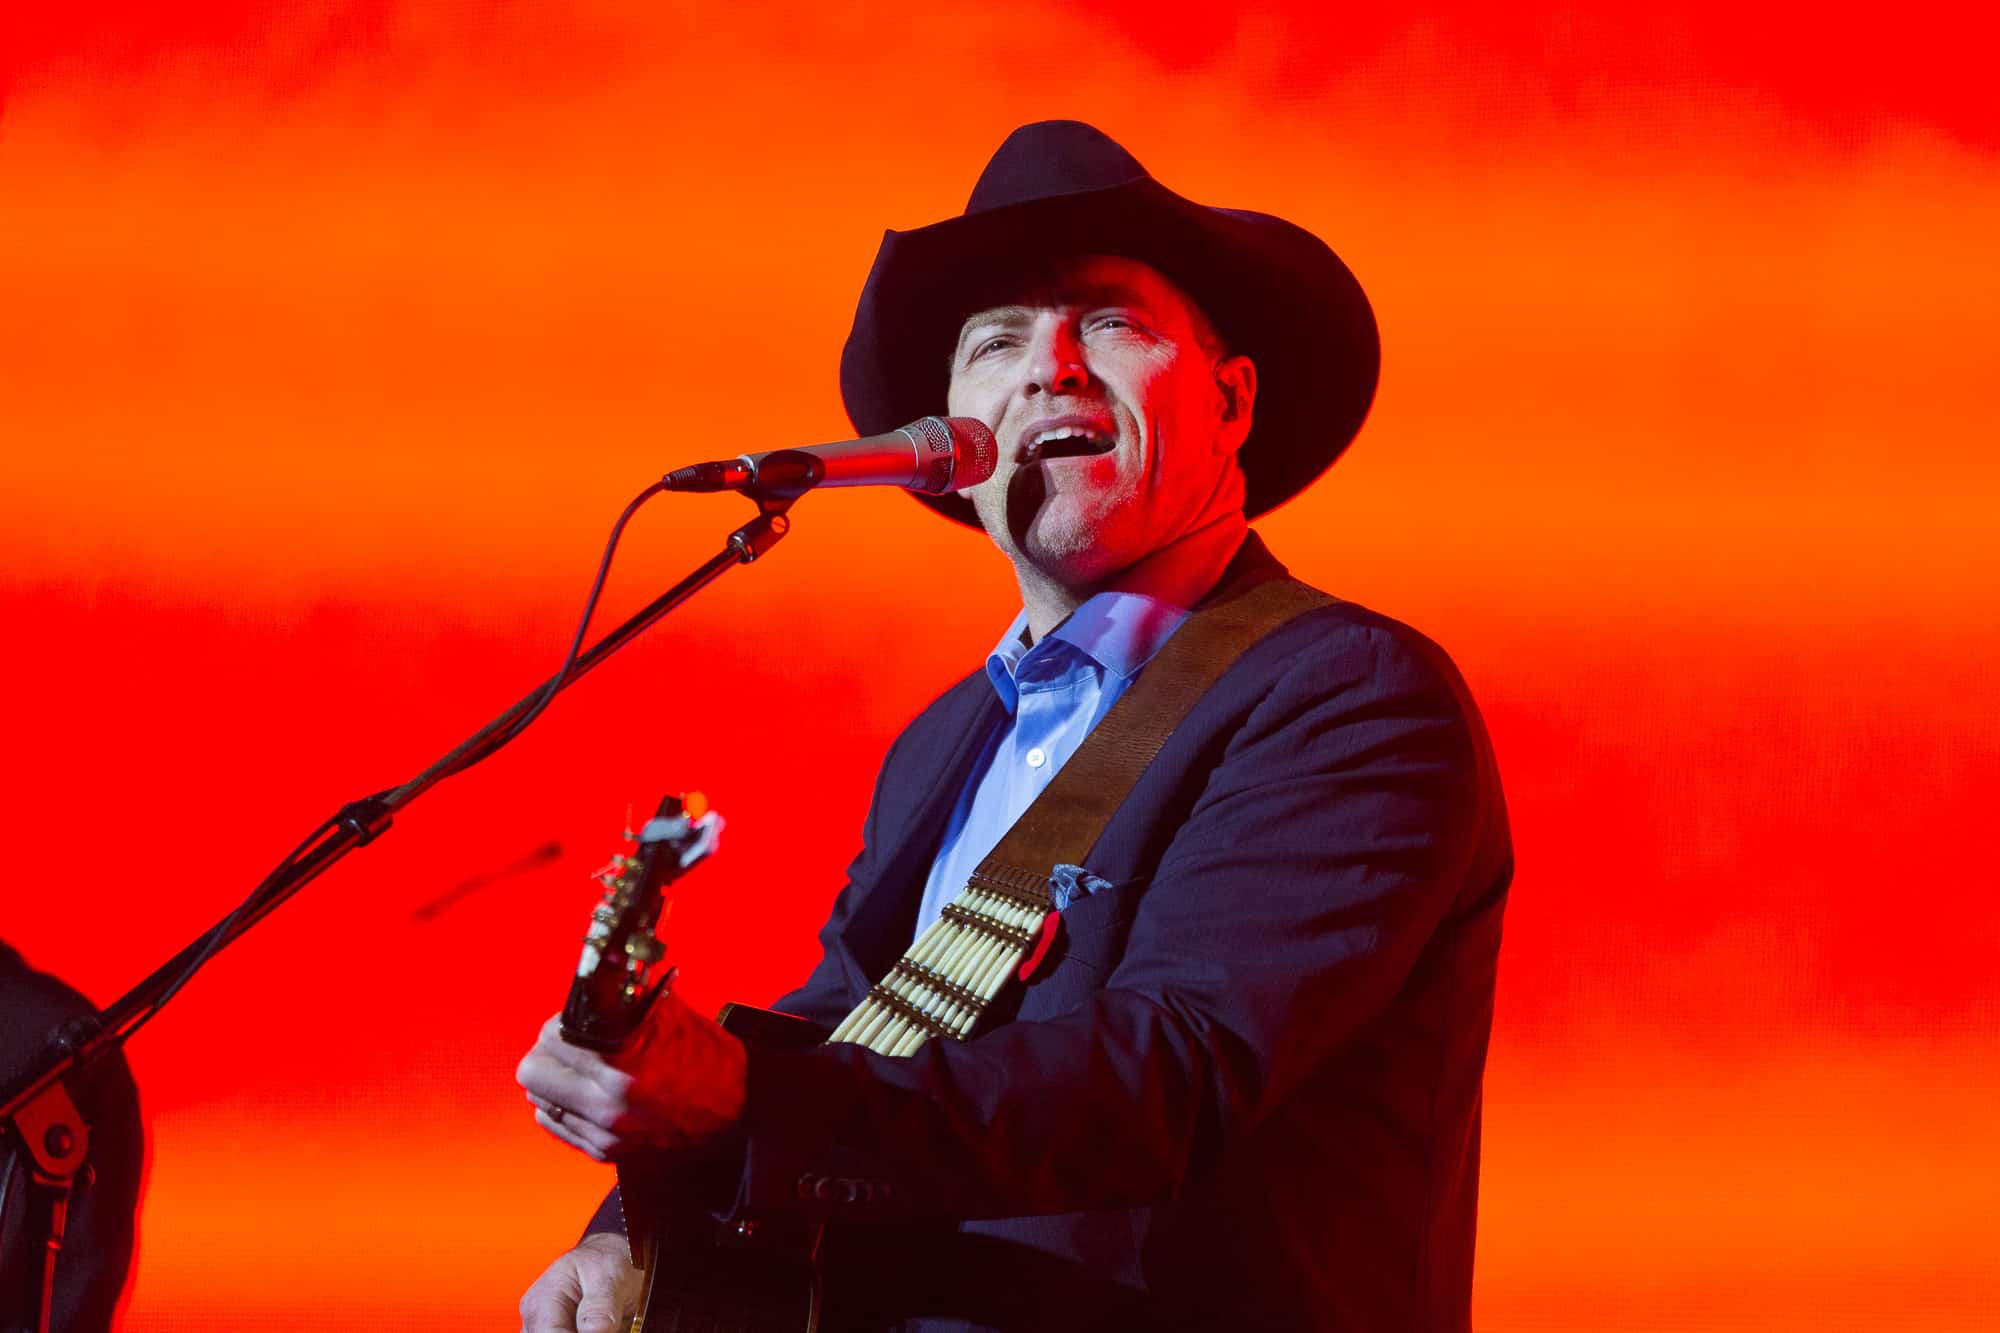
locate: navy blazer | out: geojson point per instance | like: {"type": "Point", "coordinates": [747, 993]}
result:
{"type": "Point", "coordinates": [1245, 1090]}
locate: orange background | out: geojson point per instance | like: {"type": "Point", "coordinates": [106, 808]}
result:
{"type": "Point", "coordinates": [332, 336]}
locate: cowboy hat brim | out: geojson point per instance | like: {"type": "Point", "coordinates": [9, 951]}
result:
{"type": "Point", "coordinates": [1275, 291]}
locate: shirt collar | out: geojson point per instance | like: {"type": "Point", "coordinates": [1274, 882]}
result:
{"type": "Point", "coordinates": [1005, 660]}
{"type": "Point", "coordinates": [1123, 627]}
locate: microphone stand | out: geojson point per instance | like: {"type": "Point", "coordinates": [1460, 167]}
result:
{"type": "Point", "coordinates": [37, 1108]}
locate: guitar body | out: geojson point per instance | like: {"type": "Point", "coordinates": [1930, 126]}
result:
{"type": "Point", "coordinates": [722, 1274]}
{"type": "Point", "coordinates": [706, 1274]}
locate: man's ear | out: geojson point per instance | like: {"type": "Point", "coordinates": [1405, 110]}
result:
{"type": "Point", "coordinates": [1236, 381]}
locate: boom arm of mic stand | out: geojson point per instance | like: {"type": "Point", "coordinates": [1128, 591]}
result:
{"type": "Point", "coordinates": [361, 822]}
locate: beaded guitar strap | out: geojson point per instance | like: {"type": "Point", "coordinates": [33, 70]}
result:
{"type": "Point", "coordinates": [1005, 914]}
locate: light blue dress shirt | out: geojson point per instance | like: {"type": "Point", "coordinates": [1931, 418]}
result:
{"type": "Point", "coordinates": [1054, 693]}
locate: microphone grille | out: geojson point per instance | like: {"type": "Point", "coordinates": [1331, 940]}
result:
{"type": "Point", "coordinates": [962, 453]}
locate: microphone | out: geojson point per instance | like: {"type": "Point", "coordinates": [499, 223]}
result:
{"type": "Point", "coordinates": [937, 455]}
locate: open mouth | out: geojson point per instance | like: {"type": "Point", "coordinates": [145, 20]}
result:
{"type": "Point", "coordinates": [1068, 442]}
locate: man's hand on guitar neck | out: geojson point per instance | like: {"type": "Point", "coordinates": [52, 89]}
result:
{"type": "Point", "coordinates": [678, 1084]}
{"type": "Point", "coordinates": [592, 1289]}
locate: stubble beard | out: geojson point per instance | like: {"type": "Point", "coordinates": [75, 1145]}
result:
{"type": "Point", "coordinates": [1070, 536]}
{"type": "Point", "coordinates": [1075, 540]}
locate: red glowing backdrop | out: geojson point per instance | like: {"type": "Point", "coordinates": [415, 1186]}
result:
{"type": "Point", "coordinates": [333, 335]}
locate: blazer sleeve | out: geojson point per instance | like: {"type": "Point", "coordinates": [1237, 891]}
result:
{"type": "Point", "coordinates": [1341, 824]}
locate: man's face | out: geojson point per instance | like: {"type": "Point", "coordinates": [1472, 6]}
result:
{"type": "Point", "coordinates": [1117, 423]}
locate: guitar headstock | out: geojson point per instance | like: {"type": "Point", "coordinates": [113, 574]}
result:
{"type": "Point", "coordinates": [619, 972]}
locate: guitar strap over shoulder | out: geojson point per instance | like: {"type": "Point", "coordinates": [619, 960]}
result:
{"type": "Point", "coordinates": [1005, 913]}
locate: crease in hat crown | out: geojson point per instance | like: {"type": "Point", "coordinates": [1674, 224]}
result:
{"type": "Point", "coordinates": [1070, 156]}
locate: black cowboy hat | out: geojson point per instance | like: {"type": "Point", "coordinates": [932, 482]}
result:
{"type": "Point", "coordinates": [1274, 291]}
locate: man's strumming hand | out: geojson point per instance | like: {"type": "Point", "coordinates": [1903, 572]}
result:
{"type": "Point", "coordinates": [591, 1289]}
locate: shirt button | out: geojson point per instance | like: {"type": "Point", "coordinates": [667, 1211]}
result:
{"type": "Point", "coordinates": [1037, 757]}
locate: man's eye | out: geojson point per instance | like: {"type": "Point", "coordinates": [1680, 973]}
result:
{"type": "Point", "coordinates": [991, 345]}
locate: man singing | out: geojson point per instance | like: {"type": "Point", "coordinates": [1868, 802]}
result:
{"type": "Point", "coordinates": [1242, 1090]}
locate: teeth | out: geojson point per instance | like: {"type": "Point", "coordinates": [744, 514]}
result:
{"type": "Point", "coordinates": [1062, 433]}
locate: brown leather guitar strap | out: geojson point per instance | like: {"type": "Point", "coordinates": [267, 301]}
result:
{"type": "Point", "coordinates": [948, 977]}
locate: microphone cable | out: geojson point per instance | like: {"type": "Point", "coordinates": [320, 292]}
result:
{"type": "Point", "coordinates": [458, 761]}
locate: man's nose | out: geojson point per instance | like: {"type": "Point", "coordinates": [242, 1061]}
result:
{"type": "Point", "coordinates": [1055, 363]}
